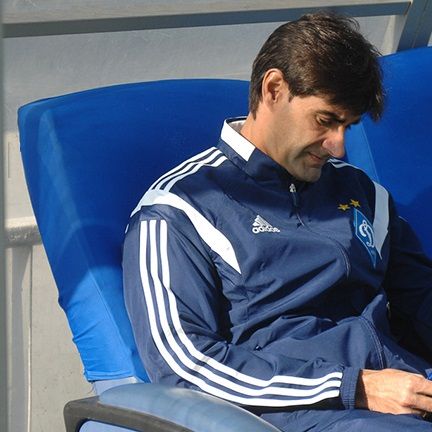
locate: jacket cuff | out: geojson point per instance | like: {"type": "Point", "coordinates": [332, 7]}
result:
{"type": "Point", "coordinates": [349, 387]}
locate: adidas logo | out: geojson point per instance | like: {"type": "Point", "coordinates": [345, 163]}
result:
{"type": "Point", "coordinates": [260, 225]}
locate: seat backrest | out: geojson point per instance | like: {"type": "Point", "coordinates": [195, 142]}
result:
{"type": "Point", "coordinates": [88, 158]}
{"type": "Point", "coordinates": [397, 151]}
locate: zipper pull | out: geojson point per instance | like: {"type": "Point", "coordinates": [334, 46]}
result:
{"type": "Point", "coordinates": [295, 196]}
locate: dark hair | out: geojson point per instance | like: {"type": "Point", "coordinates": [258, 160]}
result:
{"type": "Point", "coordinates": [323, 54]}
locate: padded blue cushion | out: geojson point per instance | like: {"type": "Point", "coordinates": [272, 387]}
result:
{"type": "Point", "coordinates": [397, 151]}
{"type": "Point", "coordinates": [88, 158]}
{"type": "Point", "coordinates": [194, 410]}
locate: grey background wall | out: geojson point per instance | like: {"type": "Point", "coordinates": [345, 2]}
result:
{"type": "Point", "coordinates": [45, 368]}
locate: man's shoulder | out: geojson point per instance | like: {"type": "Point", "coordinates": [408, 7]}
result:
{"type": "Point", "coordinates": [351, 177]}
{"type": "Point", "coordinates": [193, 184]}
{"type": "Point", "coordinates": [346, 170]}
{"type": "Point", "coordinates": [188, 175]}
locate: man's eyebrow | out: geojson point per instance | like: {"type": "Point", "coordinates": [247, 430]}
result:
{"type": "Point", "coordinates": [336, 118]}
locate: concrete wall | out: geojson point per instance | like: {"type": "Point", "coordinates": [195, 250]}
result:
{"type": "Point", "coordinates": [45, 368]}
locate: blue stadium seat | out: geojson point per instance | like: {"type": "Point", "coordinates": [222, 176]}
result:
{"type": "Point", "coordinates": [397, 151]}
{"type": "Point", "coordinates": [88, 158]}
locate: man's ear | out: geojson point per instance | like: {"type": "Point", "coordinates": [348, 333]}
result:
{"type": "Point", "coordinates": [274, 87]}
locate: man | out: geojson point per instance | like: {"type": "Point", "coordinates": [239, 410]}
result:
{"type": "Point", "coordinates": [263, 271]}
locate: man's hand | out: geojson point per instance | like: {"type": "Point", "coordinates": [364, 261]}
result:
{"type": "Point", "coordinates": [394, 391]}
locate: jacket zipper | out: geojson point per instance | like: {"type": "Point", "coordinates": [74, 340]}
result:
{"type": "Point", "coordinates": [296, 203]}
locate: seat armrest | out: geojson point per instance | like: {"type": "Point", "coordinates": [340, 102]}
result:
{"type": "Point", "coordinates": [80, 411]}
{"type": "Point", "coordinates": [158, 408]}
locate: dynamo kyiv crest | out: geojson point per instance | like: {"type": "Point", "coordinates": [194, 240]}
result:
{"type": "Point", "coordinates": [365, 233]}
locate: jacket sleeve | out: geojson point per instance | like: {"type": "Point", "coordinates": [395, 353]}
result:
{"type": "Point", "coordinates": [409, 287]}
{"type": "Point", "coordinates": [180, 318]}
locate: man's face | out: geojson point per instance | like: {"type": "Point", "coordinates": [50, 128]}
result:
{"type": "Point", "coordinates": [305, 132]}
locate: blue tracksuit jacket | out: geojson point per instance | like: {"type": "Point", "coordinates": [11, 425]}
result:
{"type": "Point", "coordinates": [266, 292]}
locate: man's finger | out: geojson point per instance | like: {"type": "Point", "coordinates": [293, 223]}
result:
{"type": "Point", "coordinates": [422, 403]}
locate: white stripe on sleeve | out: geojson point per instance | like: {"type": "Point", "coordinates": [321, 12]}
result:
{"type": "Point", "coordinates": [325, 387]}
{"type": "Point", "coordinates": [381, 218]}
{"type": "Point", "coordinates": [210, 235]}
{"type": "Point", "coordinates": [184, 165]}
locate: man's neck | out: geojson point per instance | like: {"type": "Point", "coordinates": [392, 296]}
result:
{"type": "Point", "coordinates": [258, 131]}
{"type": "Point", "coordinates": [253, 132]}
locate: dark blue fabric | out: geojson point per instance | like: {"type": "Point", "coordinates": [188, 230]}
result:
{"type": "Point", "coordinates": [403, 136]}
{"type": "Point", "coordinates": [88, 157]}
{"type": "Point", "coordinates": [280, 318]}
{"type": "Point", "coordinates": [347, 421]}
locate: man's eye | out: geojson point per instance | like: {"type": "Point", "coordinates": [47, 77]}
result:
{"type": "Point", "coordinates": [324, 122]}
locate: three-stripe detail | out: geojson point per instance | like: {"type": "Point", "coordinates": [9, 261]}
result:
{"type": "Point", "coordinates": [185, 360]}
{"type": "Point", "coordinates": [211, 157]}
{"type": "Point", "coordinates": [160, 193]}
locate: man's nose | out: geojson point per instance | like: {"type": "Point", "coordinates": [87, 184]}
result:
{"type": "Point", "coordinates": [334, 144]}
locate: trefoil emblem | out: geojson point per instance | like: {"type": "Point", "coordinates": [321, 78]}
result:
{"type": "Point", "coordinates": [260, 225]}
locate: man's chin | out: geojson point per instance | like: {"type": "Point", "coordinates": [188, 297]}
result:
{"type": "Point", "coordinates": [310, 176]}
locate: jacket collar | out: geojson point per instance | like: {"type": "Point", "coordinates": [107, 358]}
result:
{"type": "Point", "coordinates": [249, 158]}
